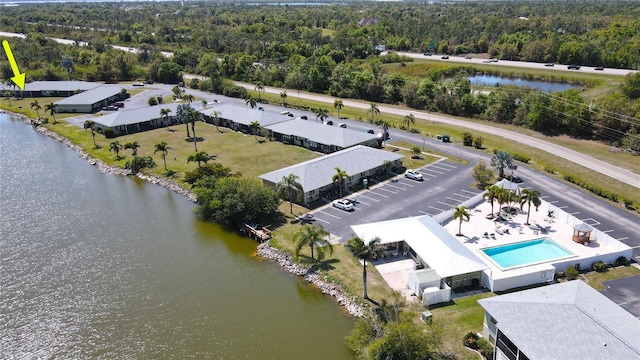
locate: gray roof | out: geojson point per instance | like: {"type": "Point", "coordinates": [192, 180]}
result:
{"type": "Point", "coordinates": [245, 115]}
{"type": "Point", "coordinates": [322, 134]}
{"type": "Point", "coordinates": [92, 96]}
{"type": "Point", "coordinates": [316, 173]}
{"type": "Point", "coordinates": [134, 116]}
{"type": "Point", "coordinates": [59, 86]}
{"type": "Point", "coordinates": [566, 321]}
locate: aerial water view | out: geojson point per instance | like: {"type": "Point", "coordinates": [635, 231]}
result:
{"type": "Point", "coordinates": [319, 180]}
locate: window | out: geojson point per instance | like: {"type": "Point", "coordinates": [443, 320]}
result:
{"type": "Point", "coordinates": [313, 144]}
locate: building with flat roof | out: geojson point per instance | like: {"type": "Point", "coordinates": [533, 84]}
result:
{"type": "Point", "coordinates": [51, 88]}
{"type": "Point", "coordinates": [89, 101]}
{"type": "Point", "coordinates": [319, 137]}
{"type": "Point", "coordinates": [124, 122]}
{"type": "Point", "coordinates": [315, 176]}
{"type": "Point", "coordinates": [240, 117]}
{"type": "Point", "coordinates": [569, 320]}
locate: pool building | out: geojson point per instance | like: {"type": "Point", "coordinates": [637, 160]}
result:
{"type": "Point", "coordinates": [506, 253]}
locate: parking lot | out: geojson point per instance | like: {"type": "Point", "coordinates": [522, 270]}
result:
{"type": "Point", "coordinates": [445, 185]}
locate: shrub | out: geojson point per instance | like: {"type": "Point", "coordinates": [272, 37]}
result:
{"type": "Point", "coordinates": [477, 142]}
{"type": "Point", "coordinates": [109, 133]}
{"type": "Point", "coordinates": [599, 266]}
{"type": "Point", "coordinates": [138, 163]}
{"type": "Point", "coordinates": [486, 349]}
{"type": "Point", "coordinates": [467, 138]}
{"type": "Point", "coordinates": [622, 261]}
{"type": "Point", "coordinates": [470, 340]}
{"type": "Point", "coordinates": [522, 158]}
{"type": "Point", "coordinates": [550, 170]}
{"type": "Point", "coordinates": [152, 101]}
{"type": "Point", "coordinates": [572, 273]}
{"type": "Point", "coordinates": [560, 275]}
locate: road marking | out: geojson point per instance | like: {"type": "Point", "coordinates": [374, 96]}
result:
{"type": "Point", "coordinates": [552, 202]}
{"type": "Point", "coordinates": [375, 193]}
{"type": "Point", "coordinates": [574, 213]}
{"type": "Point", "coordinates": [427, 174]}
{"type": "Point", "coordinates": [435, 208]}
{"type": "Point", "coordinates": [563, 207]}
{"type": "Point", "coordinates": [368, 197]}
{"type": "Point", "coordinates": [470, 192]}
{"type": "Point", "coordinates": [383, 189]}
{"type": "Point", "coordinates": [443, 169]}
{"type": "Point", "coordinates": [407, 184]}
{"type": "Point", "coordinates": [363, 203]}
{"type": "Point", "coordinates": [622, 238]}
{"type": "Point", "coordinates": [453, 199]}
{"type": "Point", "coordinates": [608, 231]}
{"type": "Point", "coordinates": [591, 221]}
{"type": "Point", "coordinates": [324, 221]}
{"type": "Point", "coordinates": [437, 172]}
{"type": "Point", "coordinates": [424, 212]}
{"type": "Point", "coordinates": [544, 197]}
{"type": "Point", "coordinates": [443, 203]}
{"type": "Point", "coordinates": [449, 165]}
{"type": "Point", "coordinates": [333, 216]}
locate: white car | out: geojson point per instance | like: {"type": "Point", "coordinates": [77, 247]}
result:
{"type": "Point", "coordinates": [138, 84]}
{"type": "Point", "coordinates": [413, 174]}
{"type": "Point", "coordinates": [343, 204]}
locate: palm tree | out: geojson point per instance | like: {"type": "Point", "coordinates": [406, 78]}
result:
{"type": "Point", "coordinates": [387, 165]}
{"type": "Point", "coordinates": [373, 109]}
{"type": "Point", "coordinates": [7, 96]}
{"type": "Point", "coordinates": [322, 114]}
{"type": "Point", "coordinates": [164, 113]}
{"type": "Point", "coordinates": [492, 194]}
{"type": "Point", "coordinates": [115, 147]}
{"type": "Point", "coordinates": [199, 157]}
{"type": "Point", "coordinates": [249, 100]}
{"type": "Point", "coordinates": [503, 198]}
{"type": "Point", "coordinates": [289, 187]}
{"type": "Point", "coordinates": [182, 113]}
{"type": "Point", "coordinates": [259, 87]}
{"type": "Point", "coordinates": [134, 146]}
{"type": "Point", "coordinates": [409, 120]}
{"type": "Point", "coordinates": [283, 96]}
{"type": "Point", "coordinates": [314, 236]}
{"type": "Point", "coordinates": [37, 107]}
{"type": "Point", "coordinates": [193, 116]}
{"type": "Point", "coordinates": [177, 92]}
{"type": "Point", "coordinates": [90, 124]}
{"type": "Point", "coordinates": [528, 197]}
{"type": "Point", "coordinates": [254, 126]}
{"type": "Point", "coordinates": [216, 118]}
{"type": "Point", "coordinates": [462, 213]}
{"type": "Point", "coordinates": [164, 149]}
{"type": "Point", "coordinates": [51, 108]}
{"type": "Point", "coordinates": [501, 160]}
{"type": "Point", "coordinates": [339, 177]}
{"type": "Point", "coordinates": [337, 104]}
{"type": "Point", "coordinates": [385, 125]}
{"type": "Point", "coordinates": [188, 98]}
{"type": "Point", "coordinates": [365, 252]}
{"type": "Point", "coordinates": [204, 103]}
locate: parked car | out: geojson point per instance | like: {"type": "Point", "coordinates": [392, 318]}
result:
{"type": "Point", "coordinates": [137, 83]}
{"type": "Point", "coordinates": [370, 131]}
{"type": "Point", "coordinates": [549, 64]}
{"type": "Point", "coordinates": [599, 68]}
{"type": "Point", "coordinates": [342, 125]}
{"type": "Point", "coordinates": [285, 113]}
{"type": "Point", "coordinates": [413, 174]}
{"type": "Point", "coordinates": [445, 57]}
{"type": "Point", "coordinates": [343, 204]}
{"type": "Point", "coordinates": [573, 66]}
{"type": "Point", "coordinates": [149, 81]}
{"type": "Point", "coordinates": [329, 122]}
{"type": "Point", "coordinates": [117, 104]}
{"type": "Point", "coordinates": [109, 108]}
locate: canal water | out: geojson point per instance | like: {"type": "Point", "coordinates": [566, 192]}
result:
{"type": "Point", "coordinates": [101, 266]}
{"type": "Point", "coordinates": [548, 86]}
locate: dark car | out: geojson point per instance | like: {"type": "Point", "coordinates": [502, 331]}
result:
{"type": "Point", "coordinates": [549, 64]}
{"type": "Point", "coordinates": [427, 53]}
{"type": "Point", "coordinates": [574, 67]}
{"type": "Point", "coordinates": [370, 131]}
{"type": "Point", "coordinates": [290, 115]}
{"type": "Point", "coordinates": [109, 108]}
{"type": "Point", "coordinates": [117, 104]}
{"type": "Point", "coordinates": [303, 117]}
{"type": "Point", "coordinates": [599, 68]}
{"type": "Point", "coordinates": [445, 57]}
{"type": "Point", "coordinates": [329, 122]}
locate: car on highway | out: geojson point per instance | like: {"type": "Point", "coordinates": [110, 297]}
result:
{"type": "Point", "coordinates": [303, 117]}
{"type": "Point", "coordinates": [427, 53]}
{"type": "Point", "coordinates": [343, 204]}
{"type": "Point", "coordinates": [370, 131]}
{"type": "Point", "coordinates": [445, 57]}
{"type": "Point", "coordinates": [329, 122]}
{"type": "Point", "coordinates": [285, 113]}
{"type": "Point", "coordinates": [468, 57]}
{"type": "Point", "coordinates": [413, 174]}
{"type": "Point", "coordinates": [549, 64]}
{"type": "Point", "coordinates": [342, 125]}
{"type": "Point", "coordinates": [599, 68]}
{"type": "Point", "coordinates": [573, 67]}
{"type": "Point", "coordinates": [137, 84]}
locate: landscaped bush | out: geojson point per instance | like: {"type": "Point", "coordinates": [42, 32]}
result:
{"type": "Point", "coordinates": [560, 275]}
{"type": "Point", "coordinates": [622, 261]}
{"type": "Point", "coordinates": [550, 170]}
{"type": "Point", "coordinates": [599, 266]}
{"type": "Point", "coordinates": [594, 189]}
{"type": "Point", "coordinates": [572, 273]}
{"type": "Point", "coordinates": [109, 133]}
{"type": "Point", "coordinates": [467, 138]}
{"type": "Point", "coordinates": [470, 340]}
{"type": "Point", "coordinates": [477, 142]}
{"type": "Point", "coordinates": [522, 158]}
{"type": "Point", "coordinates": [485, 347]}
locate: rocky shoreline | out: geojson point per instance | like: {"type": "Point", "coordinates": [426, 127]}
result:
{"type": "Point", "coordinates": [286, 262]}
{"type": "Point", "coordinates": [266, 251]}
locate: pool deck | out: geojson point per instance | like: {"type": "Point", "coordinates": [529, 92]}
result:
{"type": "Point", "coordinates": [558, 231]}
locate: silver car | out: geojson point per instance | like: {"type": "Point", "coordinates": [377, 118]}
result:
{"type": "Point", "coordinates": [343, 204]}
{"type": "Point", "coordinates": [413, 174]}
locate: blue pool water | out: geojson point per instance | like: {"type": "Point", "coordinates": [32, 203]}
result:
{"type": "Point", "coordinates": [526, 253]}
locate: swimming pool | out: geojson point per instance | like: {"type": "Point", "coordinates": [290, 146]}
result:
{"type": "Point", "coordinates": [526, 253]}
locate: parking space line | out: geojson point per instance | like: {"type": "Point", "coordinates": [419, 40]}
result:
{"type": "Point", "coordinates": [424, 212]}
{"type": "Point", "coordinates": [427, 174]}
{"type": "Point", "coordinates": [375, 193]}
{"type": "Point", "coordinates": [333, 216]}
{"type": "Point", "coordinates": [552, 202]}
{"type": "Point", "coordinates": [429, 169]}
{"type": "Point", "coordinates": [608, 231]}
{"type": "Point", "coordinates": [439, 168]}
{"type": "Point", "coordinates": [383, 189]}
{"type": "Point", "coordinates": [407, 183]}
{"type": "Point", "coordinates": [544, 197]}
{"type": "Point", "coordinates": [368, 197]}
{"type": "Point", "coordinates": [363, 203]}
{"type": "Point", "coordinates": [622, 238]}
{"type": "Point", "coordinates": [563, 207]}
{"type": "Point", "coordinates": [396, 187]}
{"type": "Point", "coordinates": [574, 213]}
{"type": "Point", "coordinates": [324, 221]}
{"type": "Point", "coordinates": [435, 208]}
{"type": "Point", "coordinates": [447, 164]}
{"type": "Point", "coordinates": [591, 221]}
{"type": "Point", "coordinates": [443, 203]}
{"type": "Point", "coordinates": [463, 196]}
{"type": "Point", "coordinates": [453, 199]}
{"type": "Point", "coordinates": [470, 192]}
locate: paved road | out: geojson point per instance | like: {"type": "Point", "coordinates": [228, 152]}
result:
{"type": "Point", "coordinates": [520, 64]}
{"type": "Point", "coordinates": [600, 166]}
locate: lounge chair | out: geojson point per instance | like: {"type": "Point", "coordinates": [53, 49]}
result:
{"type": "Point", "coordinates": [493, 236]}
{"type": "Point", "coordinates": [486, 235]}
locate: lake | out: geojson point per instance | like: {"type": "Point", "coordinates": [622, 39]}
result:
{"type": "Point", "coordinates": [548, 86]}
{"type": "Point", "coordinates": [102, 266]}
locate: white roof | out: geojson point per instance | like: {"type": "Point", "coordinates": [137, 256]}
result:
{"type": "Point", "coordinates": [316, 173]}
{"type": "Point", "coordinates": [569, 320]}
{"type": "Point", "coordinates": [245, 115]}
{"type": "Point", "coordinates": [506, 184]}
{"type": "Point", "coordinates": [58, 85]}
{"type": "Point", "coordinates": [92, 96]}
{"type": "Point", "coordinates": [433, 244]}
{"type": "Point", "coordinates": [322, 134]}
{"type": "Point", "coordinates": [134, 116]}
